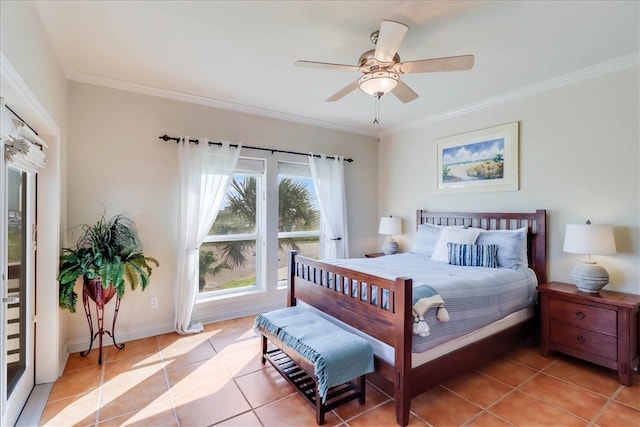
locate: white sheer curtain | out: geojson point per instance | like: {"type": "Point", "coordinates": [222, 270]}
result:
{"type": "Point", "coordinates": [205, 174]}
{"type": "Point", "coordinates": [328, 179]}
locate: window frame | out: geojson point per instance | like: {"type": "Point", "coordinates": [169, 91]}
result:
{"type": "Point", "coordinates": [295, 170]}
{"type": "Point", "coordinates": [247, 167]}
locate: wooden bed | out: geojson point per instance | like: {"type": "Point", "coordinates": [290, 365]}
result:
{"type": "Point", "coordinates": [393, 324]}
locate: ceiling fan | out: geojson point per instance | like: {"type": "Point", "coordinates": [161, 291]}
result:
{"type": "Point", "coordinates": [381, 67]}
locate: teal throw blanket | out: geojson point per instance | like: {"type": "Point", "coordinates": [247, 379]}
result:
{"type": "Point", "coordinates": [425, 297]}
{"type": "Point", "coordinates": [337, 355]}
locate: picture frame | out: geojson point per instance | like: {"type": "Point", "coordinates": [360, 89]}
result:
{"type": "Point", "coordinates": [479, 161]}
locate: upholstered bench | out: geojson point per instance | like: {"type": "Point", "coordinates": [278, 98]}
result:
{"type": "Point", "coordinates": [324, 362]}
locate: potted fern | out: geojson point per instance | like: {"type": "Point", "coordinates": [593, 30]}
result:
{"type": "Point", "coordinates": [107, 256]}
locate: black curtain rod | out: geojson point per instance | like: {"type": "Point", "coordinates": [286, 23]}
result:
{"type": "Point", "coordinates": [272, 150]}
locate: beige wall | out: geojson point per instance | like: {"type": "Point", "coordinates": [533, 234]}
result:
{"type": "Point", "coordinates": [117, 163]}
{"type": "Point", "coordinates": [34, 85]}
{"type": "Point", "coordinates": [579, 160]}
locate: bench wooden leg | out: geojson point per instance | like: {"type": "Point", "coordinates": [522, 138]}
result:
{"type": "Point", "coordinates": [264, 349]}
{"type": "Point", "coordinates": [319, 408]}
{"type": "Point", "coordinates": [362, 386]}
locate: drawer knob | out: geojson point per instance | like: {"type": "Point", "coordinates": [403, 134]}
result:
{"type": "Point", "coordinates": [580, 315]}
{"type": "Point", "coordinates": [580, 339]}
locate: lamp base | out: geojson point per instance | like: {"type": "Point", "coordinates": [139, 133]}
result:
{"type": "Point", "coordinates": [589, 277]}
{"type": "Point", "coordinates": [390, 247]}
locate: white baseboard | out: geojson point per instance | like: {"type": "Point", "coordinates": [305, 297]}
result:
{"type": "Point", "coordinates": [232, 308]}
{"type": "Point", "coordinates": [81, 344]}
{"type": "Point", "coordinates": [247, 310]}
{"type": "Point", "coordinates": [62, 359]}
{"type": "Point", "coordinates": [207, 312]}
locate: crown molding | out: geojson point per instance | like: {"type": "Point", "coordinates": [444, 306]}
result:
{"type": "Point", "coordinates": [16, 91]}
{"type": "Point", "coordinates": [212, 102]}
{"type": "Point", "coordinates": [554, 83]}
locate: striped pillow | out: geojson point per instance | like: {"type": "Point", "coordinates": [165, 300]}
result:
{"type": "Point", "coordinates": [473, 255]}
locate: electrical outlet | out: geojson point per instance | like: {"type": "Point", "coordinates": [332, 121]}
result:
{"type": "Point", "coordinates": [154, 302]}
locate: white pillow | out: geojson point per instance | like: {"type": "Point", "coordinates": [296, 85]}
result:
{"type": "Point", "coordinates": [453, 235]}
{"type": "Point", "coordinates": [426, 238]}
{"type": "Point", "coordinates": [512, 246]}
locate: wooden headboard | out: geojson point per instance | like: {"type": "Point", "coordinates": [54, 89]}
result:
{"type": "Point", "coordinates": [534, 221]}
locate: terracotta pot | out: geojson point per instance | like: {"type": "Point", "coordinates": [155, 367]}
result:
{"type": "Point", "coordinates": [97, 293]}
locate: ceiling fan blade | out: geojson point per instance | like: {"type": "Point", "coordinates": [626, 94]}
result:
{"type": "Point", "coordinates": [343, 92]}
{"type": "Point", "coordinates": [313, 64]}
{"type": "Point", "coordinates": [404, 93]}
{"type": "Point", "coordinates": [390, 37]}
{"type": "Point", "coordinates": [451, 63]}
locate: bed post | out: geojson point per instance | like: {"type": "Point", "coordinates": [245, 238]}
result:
{"type": "Point", "coordinates": [291, 292]}
{"type": "Point", "coordinates": [541, 245]}
{"type": "Point", "coordinates": [402, 391]}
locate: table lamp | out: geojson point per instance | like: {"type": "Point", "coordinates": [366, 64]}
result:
{"type": "Point", "coordinates": [588, 239]}
{"type": "Point", "coordinates": [390, 226]}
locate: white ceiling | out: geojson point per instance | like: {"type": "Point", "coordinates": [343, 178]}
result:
{"type": "Point", "coordinates": [240, 54]}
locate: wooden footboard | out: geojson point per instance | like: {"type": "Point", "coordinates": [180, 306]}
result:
{"type": "Point", "coordinates": [358, 299]}
{"type": "Point", "coordinates": [381, 307]}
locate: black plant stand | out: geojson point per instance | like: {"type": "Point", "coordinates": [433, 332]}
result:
{"type": "Point", "coordinates": [94, 292]}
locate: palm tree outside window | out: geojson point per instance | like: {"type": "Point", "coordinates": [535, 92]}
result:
{"type": "Point", "coordinates": [230, 255]}
{"type": "Point", "coordinates": [298, 215]}
{"type": "Point", "coordinates": [228, 258]}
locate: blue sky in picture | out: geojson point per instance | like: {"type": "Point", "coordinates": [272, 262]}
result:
{"type": "Point", "coordinates": [474, 152]}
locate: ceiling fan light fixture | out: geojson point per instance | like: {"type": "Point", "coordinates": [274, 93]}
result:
{"type": "Point", "coordinates": [378, 82]}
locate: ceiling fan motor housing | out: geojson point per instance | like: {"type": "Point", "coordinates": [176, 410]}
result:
{"type": "Point", "coordinates": [369, 63]}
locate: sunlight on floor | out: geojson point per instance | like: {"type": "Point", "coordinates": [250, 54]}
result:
{"type": "Point", "coordinates": [217, 378]}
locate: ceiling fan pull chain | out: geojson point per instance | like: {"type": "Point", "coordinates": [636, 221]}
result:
{"type": "Point", "coordinates": [376, 110]}
{"type": "Point", "coordinates": [376, 120]}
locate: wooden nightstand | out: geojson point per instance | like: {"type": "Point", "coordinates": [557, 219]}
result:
{"type": "Point", "coordinates": [374, 255]}
{"type": "Point", "coordinates": [601, 328]}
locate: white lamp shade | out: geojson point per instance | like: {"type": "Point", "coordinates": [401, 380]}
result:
{"type": "Point", "coordinates": [390, 225]}
{"type": "Point", "coordinates": [589, 239]}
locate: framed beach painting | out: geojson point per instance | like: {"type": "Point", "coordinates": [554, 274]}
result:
{"type": "Point", "coordinates": [482, 160]}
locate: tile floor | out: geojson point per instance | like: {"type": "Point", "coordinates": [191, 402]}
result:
{"type": "Point", "coordinates": [216, 378]}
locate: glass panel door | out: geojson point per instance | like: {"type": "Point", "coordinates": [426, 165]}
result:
{"type": "Point", "coordinates": [18, 293]}
{"type": "Point", "coordinates": [16, 278]}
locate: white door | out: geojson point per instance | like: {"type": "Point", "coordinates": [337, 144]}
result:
{"type": "Point", "coordinates": [17, 292]}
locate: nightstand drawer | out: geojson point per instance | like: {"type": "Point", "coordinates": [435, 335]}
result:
{"type": "Point", "coordinates": [584, 316]}
{"type": "Point", "coordinates": [584, 340]}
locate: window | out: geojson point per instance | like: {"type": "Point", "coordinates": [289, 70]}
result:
{"type": "Point", "coordinates": [298, 215]}
{"type": "Point", "coordinates": [230, 255]}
